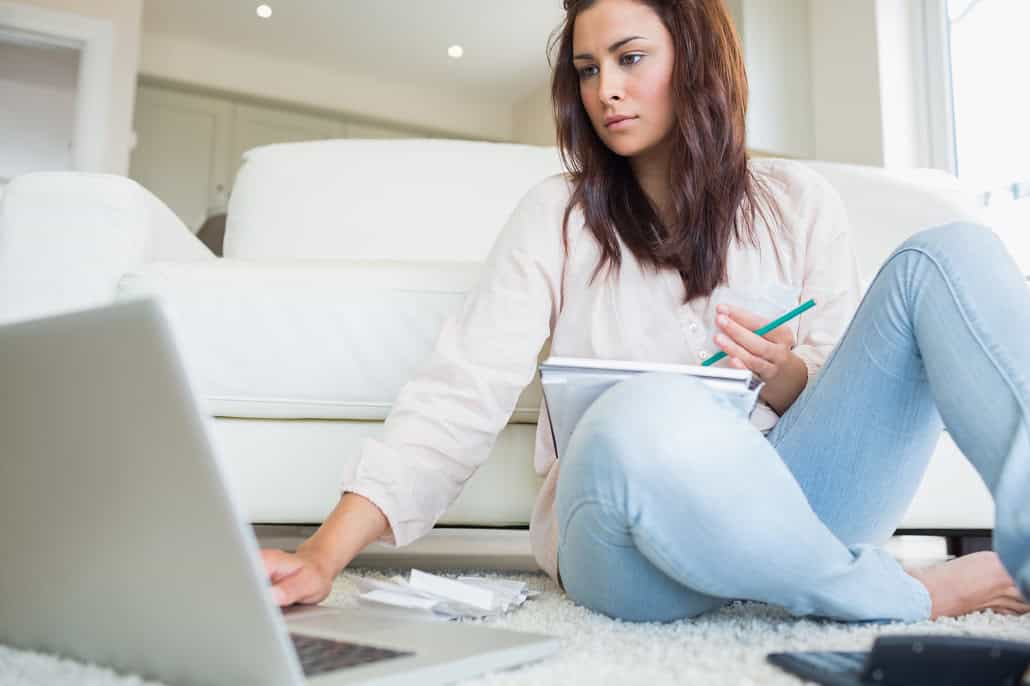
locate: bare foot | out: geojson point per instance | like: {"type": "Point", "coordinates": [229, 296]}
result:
{"type": "Point", "coordinates": [971, 583]}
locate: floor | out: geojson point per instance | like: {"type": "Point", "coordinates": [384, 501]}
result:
{"type": "Point", "coordinates": [724, 647]}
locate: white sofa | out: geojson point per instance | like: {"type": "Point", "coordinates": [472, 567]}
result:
{"type": "Point", "coordinates": [341, 260]}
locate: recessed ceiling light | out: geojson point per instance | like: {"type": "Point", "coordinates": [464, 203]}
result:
{"type": "Point", "coordinates": [455, 51]}
{"type": "Point", "coordinates": [264, 11]}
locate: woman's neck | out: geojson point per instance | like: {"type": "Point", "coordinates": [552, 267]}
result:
{"type": "Point", "coordinates": [651, 168]}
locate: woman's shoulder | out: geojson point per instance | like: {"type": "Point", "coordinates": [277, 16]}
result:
{"type": "Point", "coordinates": [551, 191]}
{"type": "Point", "coordinates": [535, 223]}
{"type": "Point", "coordinates": [545, 203]}
{"type": "Point", "coordinates": [801, 194]}
{"type": "Point", "coordinates": [793, 178]}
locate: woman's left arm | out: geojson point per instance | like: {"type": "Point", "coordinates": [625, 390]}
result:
{"type": "Point", "coordinates": [829, 275]}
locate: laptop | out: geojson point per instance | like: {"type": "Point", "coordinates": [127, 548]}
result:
{"type": "Point", "coordinates": [122, 545]}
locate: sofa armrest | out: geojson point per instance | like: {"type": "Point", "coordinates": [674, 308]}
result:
{"type": "Point", "coordinates": [168, 239]}
{"type": "Point", "coordinates": [886, 206]}
{"type": "Point", "coordinates": [66, 238]}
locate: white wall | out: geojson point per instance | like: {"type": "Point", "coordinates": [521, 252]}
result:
{"type": "Point", "coordinates": [534, 118]}
{"type": "Point", "coordinates": [211, 66]}
{"type": "Point", "coordinates": [846, 111]}
{"type": "Point", "coordinates": [775, 38]}
{"type": "Point", "coordinates": [38, 86]}
{"type": "Point", "coordinates": [903, 99]}
{"type": "Point", "coordinates": [126, 18]}
{"type": "Point", "coordinates": [846, 114]}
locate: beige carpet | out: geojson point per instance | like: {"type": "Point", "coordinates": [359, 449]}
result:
{"type": "Point", "coordinates": [725, 647]}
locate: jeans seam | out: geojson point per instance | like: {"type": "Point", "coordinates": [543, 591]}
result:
{"type": "Point", "coordinates": [654, 555]}
{"type": "Point", "coordinates": [676, 572]}
{"type": "Point", "coordinates": [961, 309]}
{"type": "Point", "coordinates": [973, 334]}
{"type": "Point", "coordinates": [580, 504]}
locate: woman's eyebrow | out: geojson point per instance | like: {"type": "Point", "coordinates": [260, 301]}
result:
{"type": "Point", "coordinates": [611, 48]}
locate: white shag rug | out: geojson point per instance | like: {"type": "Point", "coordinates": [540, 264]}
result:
{"type": "Point", "coordinates": [725, 647]}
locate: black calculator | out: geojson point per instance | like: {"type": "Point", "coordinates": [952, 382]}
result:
{"type": "Point", "coordinates": [915, 661]}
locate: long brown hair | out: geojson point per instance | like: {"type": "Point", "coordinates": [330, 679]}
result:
{"type": "Point", "coordinates": [714, 194]}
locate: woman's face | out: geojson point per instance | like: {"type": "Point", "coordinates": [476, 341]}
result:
{"type": "Point", "coordinates": [624, 56]}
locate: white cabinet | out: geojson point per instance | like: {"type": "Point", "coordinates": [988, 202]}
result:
{"type": "Point", "coordinates": [182, 150]}
{"type": "Point", "coordinates": [362, 130]}
{"type": "Point", "coordinates": [189, 144]}
{"type": "Point", "coordinates": [38, 93]}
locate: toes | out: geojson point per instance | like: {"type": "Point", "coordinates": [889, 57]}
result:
{"type": "Point", "coordinates": [1009, 606]}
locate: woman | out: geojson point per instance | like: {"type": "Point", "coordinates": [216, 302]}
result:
{"type": "Point", "coordinates": [662, 244]}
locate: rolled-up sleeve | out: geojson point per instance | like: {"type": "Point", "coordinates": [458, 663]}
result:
{"type": "Point", "coordinates": [445, 420]}
{"type": "Point", "coordinates": [831, 274]}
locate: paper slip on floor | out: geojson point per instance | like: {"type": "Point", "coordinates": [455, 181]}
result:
{"type": "Point", "coordinates": [436, 597]}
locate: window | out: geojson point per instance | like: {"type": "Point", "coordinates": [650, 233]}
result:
{"type": "Point", "coordinates": [989, 58]}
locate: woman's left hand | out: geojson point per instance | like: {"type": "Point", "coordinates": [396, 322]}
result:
{"type": "Point", "coordinates": [769, 357]}
{"type": "Point", "coordinates": [766, 355]}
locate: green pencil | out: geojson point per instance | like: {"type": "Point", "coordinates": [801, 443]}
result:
{"type": "Point", "coordinates": [765, 329]}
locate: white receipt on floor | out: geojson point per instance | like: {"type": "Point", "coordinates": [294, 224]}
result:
{"type": "Point", "coordinates": [437, 597]}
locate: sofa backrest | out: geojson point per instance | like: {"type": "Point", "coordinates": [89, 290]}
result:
{"type": "Point", "coordinates": [379, 199]}
{"type": "Point", "coordinates": [439, 200]}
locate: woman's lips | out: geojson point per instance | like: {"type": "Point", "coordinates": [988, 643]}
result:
{"type": "Point", "coordinates": [621, 124]}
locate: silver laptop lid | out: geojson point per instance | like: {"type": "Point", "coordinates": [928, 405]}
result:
{"type": "Point", "coordinates": [121, 544]}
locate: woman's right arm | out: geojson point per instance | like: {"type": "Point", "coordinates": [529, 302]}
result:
{"type": "Point", "coordinates": [307, 575]}
{"type": "Point", "coordinates": [444, 421]}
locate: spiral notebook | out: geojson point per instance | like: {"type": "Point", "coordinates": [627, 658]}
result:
{"type": "Point", "coordinates": [572, 384]}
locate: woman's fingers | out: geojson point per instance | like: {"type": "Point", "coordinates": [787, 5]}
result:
{"type": "Point", "coordinates": [303, 587]}
{"type": "Point", "coordinates": [751, 321]}
{"type": "Point", "coordinates": [754, 352]}
{"type": "Point", "coordinates": [735, 351]}
{"type": "Point", "coordinates": [280, 564]}
{"type": "Point", "coordinates": [1008, 605]}
{"type": "Point", "coordinates": [294, 579]}
{"type": "Point", "coordinates": [749, 340]}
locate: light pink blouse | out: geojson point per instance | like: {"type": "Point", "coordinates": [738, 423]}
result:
{"type": "Point", "coordinates": [445, 420]}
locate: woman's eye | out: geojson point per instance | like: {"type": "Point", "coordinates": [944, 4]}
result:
{"type": "Point", "coordinates": [587, 72]}
{"type": "Point", "coordinates": [632, 59]}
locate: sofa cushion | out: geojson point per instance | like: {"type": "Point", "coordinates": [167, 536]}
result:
{"type": "Point", "coordinates": [286, 471]}
{"type": "Point", "coordinates": [424, 200]}
{"type": "Point", "coordinates": [448, 200]}
{"type": "Point", "coordinates": [319, 339]}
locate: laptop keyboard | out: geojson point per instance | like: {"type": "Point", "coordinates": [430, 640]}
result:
{"type": "Point", "coordinates": [320, 655]}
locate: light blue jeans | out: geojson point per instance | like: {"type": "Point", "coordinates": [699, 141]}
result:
{"type": "Point", "coordinates": [670, 504]}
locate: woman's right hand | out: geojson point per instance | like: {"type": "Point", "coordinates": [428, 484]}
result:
{"type": "Point", "coordinates": [296, 577]}
{"type": "Point", "coordinates": [306, 576]}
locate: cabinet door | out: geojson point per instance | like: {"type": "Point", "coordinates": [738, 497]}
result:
{"type": "Point", "coordinates": [182, 150]}
{"type": "Point", "coordinates": [362, 130]}
{"type": "Point", "coordinates": [255, 125]}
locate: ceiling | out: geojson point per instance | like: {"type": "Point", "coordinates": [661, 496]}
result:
{"type": "Point", "coordinates": [403, 41]}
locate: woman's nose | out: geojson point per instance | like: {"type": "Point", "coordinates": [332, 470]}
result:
{"type": "Point", "coordinates": [611, 87]}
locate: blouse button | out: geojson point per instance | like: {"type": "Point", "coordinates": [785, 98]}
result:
{"type": "Point", "coordinates": [693, 326]}
{"type": "Point", "coordinates": [702, 355]}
